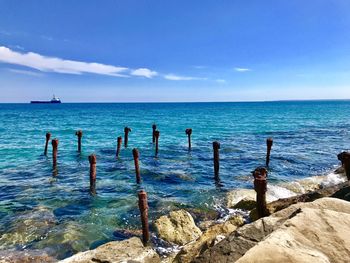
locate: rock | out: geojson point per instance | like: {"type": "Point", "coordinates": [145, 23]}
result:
{"type": "Point", "coordinates": [26, 256]}
{"type": "Point", "coordinates": [245, 204]}
{"type": "Point", "coordinates": [308, 197]}
{"type": "Point", "coordinates": [208, 239]}
{"type": "Point", "coordinates": [235, 196]}
{"type": "Point", "coordinates": [326, 239]}
{"type": "Point", "coordinates": [178, 227]}
{"type": "Point", "coordinates": [28, 226]}
{"type": "Point", "coordinates": [130, 250]}
{"type": "Point", "coordinates": [250, 236]}
{"type": "Point", "coordinates": [340, 170]}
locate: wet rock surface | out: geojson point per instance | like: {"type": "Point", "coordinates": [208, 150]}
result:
{"type": "Point", "coordinates": [28, 256]}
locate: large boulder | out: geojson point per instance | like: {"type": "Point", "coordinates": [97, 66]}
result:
{"type": "Point", "coordinates": [208, 239]}
{"type": "Point", "coordinates": [130, 250]}
{"type": "Point", "coordinates": [284, 232]}
{"type": "Point", "coordinates": [324, 239]}
{"type": "Point", "coordinates": [178, 227]}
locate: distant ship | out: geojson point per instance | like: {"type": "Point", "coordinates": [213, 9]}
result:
{"type": "Point", "coordinates": [54, 100]}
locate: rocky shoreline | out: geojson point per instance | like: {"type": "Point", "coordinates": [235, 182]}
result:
{"type": "Point", "coordinates": [238, 237]}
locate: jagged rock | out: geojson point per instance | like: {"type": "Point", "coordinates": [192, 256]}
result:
{"type": "Point", "coordinates": [308, 197]}
{"type": "Point", "coordinates": [325, 239]}
{"type": "Point", "coordinates": [247, 238]}
{"type": "Point", "coordinates": [208, 239]}
{"type": "Point", "coordinates": [178, 227]}
{"type": "Point", "coordinates": [130, 250]}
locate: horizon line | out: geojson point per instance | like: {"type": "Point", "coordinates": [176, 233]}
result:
{"type": "Point", "coordinates": [165, 102]}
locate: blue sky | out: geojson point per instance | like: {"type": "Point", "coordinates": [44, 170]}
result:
{"type": "Point", "coordinates": [130, 51]}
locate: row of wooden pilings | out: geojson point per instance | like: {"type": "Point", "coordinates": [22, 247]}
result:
{"type": "Point", "coordinates": [259, 174]}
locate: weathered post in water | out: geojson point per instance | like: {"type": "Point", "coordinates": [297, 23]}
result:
{"type": "Point", "coordinates": [119, 145]}
{"type": "Point", "coordinates": [216, 147]}
{"type": "Point", "coordinates": [341, 157]}
{"type": "Point", "coordinates": [154, 128]}
{"type": "Point", "coordinates": [269, 143]}
{"type": "Point", "coordinates": [189, 132]}
{"type": "Point", "coordinates": [126, 136]}
{"type": "Point", "coordinates": [135, 153]}
{"type": "Point", "coordinates": [48, 136]}
{"type": "Point", "coordinates": [54, 143]}
{"type": "Point", "coordinates": [143, 206]}
{"type": "Point", "coordinates": [92, 161]}
{"type": "Point", "coordinates": [156, 134]}
{"type": "Point", "coordinates": [346, 163]}
{"type": "Point", "coordinates": [260, 187]}
{"type": "Point", "coordinates": [79, 134]}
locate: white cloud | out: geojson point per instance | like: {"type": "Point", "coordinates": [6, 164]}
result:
{"type": "Point", "coordinates": [144, 72]}
{"type": "Point", "coordinates": [58, 65]}
{"type": "Point", "coordinates": [242, 69]}
{"type": "Point", "coordinates": [220, 81]}
{"type": "Point", "coordinates": [177, 77]}
{"type": "Point", "coordinates": [25, 72]}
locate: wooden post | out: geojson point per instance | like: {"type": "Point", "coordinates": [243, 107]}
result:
{"type": "Point", "coordinates": [269, 143]}
{"type": "Point", "coordinates": [54, 143]}
{"type": "Point", "coordinates": [48, 136]}
{"type": "Point", "coordinates": [156, 134]}
{"type": "Point", "coordinates": [341, 157]}
{"type": "Point", "coordinates": [79, 134]}
{"type": "Point", "coordinates": [346, 164]}
{"type": "Point", "coordinates": [92, 161]}
{"type": "Point", "coordinates": [154, 128]}
{"type": "Point", "coordinates": [135, 153]}
{"type": "Point", "coordinates": [260, 186]}
{"type": "Point", "coordinates": [143, 206]}
{"type": "Point", "coordinates": [189, 132]}
{"type": "Point", "coordinates": [119, 145]}
{"type": "Point", "coordinates": [216, 147]}
{"type": "Point", "coordinates": [126, 136]}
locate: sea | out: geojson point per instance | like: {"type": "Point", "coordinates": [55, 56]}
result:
{"type": "Point", "coordinates": [54, 211]}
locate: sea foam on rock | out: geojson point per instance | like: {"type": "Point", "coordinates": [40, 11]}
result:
{"type": "Point", "coordinates": [178, 227]}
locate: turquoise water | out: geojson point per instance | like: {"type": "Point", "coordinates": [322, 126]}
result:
{"type": "Point", "coordinates": [307, 138]}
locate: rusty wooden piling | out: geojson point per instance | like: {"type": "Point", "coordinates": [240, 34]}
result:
{"type": "Point", "coordinates": [260, 187]}
{"type": "Point", "coordinates": [54, 143]}
{"type": "Point", "coordinates": [189, 133]}
{"type": "Point", "coordinates": [156, 135]}
{"type": "Point", "coordinates": [154, 128]}
{"type": "Point", "coordinates": [216, 147]}
{"type": "Point", "coordinates": [80, 135]}
{"type": "Point", "coordinates": [135, 153]}
{"type": "Point", "coordinates": [48, 136]}
{"type": "Point", "coordinates": [119, 145]}
{"type": "Point", "coordinates": [143, 206]}
{"type": "Point", "coordinates": [92, 161]}
{"type": "Point", "coordinates": [126, 136]}
{"type": "Point", "coordinates": [269, 143]}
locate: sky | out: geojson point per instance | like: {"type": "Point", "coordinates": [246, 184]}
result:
{"type": "Point", "coordinates": [174, 51]}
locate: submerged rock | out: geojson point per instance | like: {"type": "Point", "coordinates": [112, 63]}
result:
{"type": "Point", "coordinates": [209, 238]}
{"type": "Point", "coordinates": [287, 237]}
{"type": "Point", "coordinates": [178, 227]}
{"type": "Point", "coordinates": [27, 227]}
{"type": "Point", "coordinates": [130, 250]}
{"type": "Point", "coordinates": [26, 256]}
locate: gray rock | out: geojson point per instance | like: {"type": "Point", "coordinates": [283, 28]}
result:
{"type": "Point", "coordinates": [130, 250]}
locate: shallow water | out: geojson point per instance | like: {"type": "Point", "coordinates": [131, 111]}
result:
{"type": "Point", "coordinates": [307, 138]}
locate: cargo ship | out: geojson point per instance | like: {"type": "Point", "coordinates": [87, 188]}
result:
{"type": "Point", "coordinates": [54, 100]}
